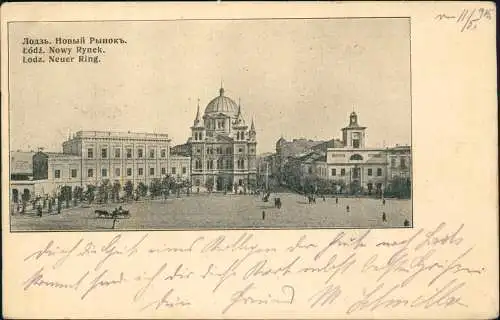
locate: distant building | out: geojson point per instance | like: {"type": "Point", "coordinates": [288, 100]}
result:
{"type": "Point", "coordinates": [222, 146]}
{"type": "Point", "coordinates": [90, 157]}
{"type": "Point", "coordinates": [286, 150]}
{"type": "Point", "coordinates": [351, 165]}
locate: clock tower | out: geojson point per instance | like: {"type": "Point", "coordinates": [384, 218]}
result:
{"type": "Point", "coordinates": [353, 135]}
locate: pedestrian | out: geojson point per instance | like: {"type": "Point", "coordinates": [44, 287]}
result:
{"type": "Point", "coordinates": [324, 198]}
{"type": "Point", "coordinates": [406, 223]}
{"type": "Point", "coordinates": [263, 215]}
{"type": "Point", "coordinates": [337, 200]}
{"type": "Point", "coordinates": [384, 217]}
{"type": "Point", "coordinates": [383, 201]}
{"type": "Point", "coordinates": [39, 210]}
{"type": "Point", "coordinates": [348, 208]}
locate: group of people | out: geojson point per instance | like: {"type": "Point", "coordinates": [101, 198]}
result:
{"type": "Point", "coordinates": [41, 204]}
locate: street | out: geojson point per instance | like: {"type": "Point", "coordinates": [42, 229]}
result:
{"type": "Point", "coordinates": [217, 211]}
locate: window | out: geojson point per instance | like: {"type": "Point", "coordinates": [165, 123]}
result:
{"type": "Point", "coordinates": [104, 172]}
{"type": "Point", "coordinates": [342, 172]}
{"type": "Point", "coordinates": [241, 163]}
{"type": "Point", "coordinates": [163, 153]}
{"type": "Point", "coordinates": [129, 172]}
{"type": "Point", "coordinates": [140, 171]}
{"type": "Point", "coordinates": [73, 173]}
{"type": "Point", "coordinates": [228, 150]}
{"type": "Point", "coordinates": [210, 151]}
{"type": "Point", "coordinates": [356, 138]}
{"type": "Point", "coordinates": [356, 157]}
{"type": "Point", "coordinates": [117, 153]}
{"type": "Point", "coordinates": [334, 172]}
{"type": "Point", "coordinates": [393, 162]}
{"type": "Point", "coordinates": [220, 124]}
{"type": "Point", "coordinates": [240, 150]}
{"type": "Point", "coordinates": [139, 153]}
{"type": "Point", "coordinates": [173, 170]}
{"type": "Point", "coordinates": [310, 170]}
{"type": "Point", "coordinates": [57, 174]}
{"type": "Point", "coordinates": [402, 163]}
{"type": "Point", "coordinates": [242, 135]}
{"type": "Point", "coordinates": [379, 172]}
{"type": "Point", "coordinates": [210, 164]}
{"type": "Point", "coordinates": [151, 171]}
{"type": "Point", "coordinates": [90, 173]}
{"type": "Point", "coordinates": [229, 164]}
{"type": "Point", "coordinates": [117, 172]}
{"type": "Point", "coordinates": [90, 153]}
{"type": "Point", "coordinates": [104, 153]}
{"type": "Point", "coordinates": [198, 150]}
{"type": "Point", "coordinates": [219, 150]}
{"type": "Point", "coordinates": [184, 170]}
{"type": "Point", "coordinates": [163, 171]}
{"type": "Point", "coordinates": [151, 153]}
{"type": "Point", "coordinates": [197, 164]}
{"type": "Point", "coordinates": [129, 153]}
{"type": "Point", "coordinates": [219, 163]}
{"type": "Point", "coordinates": [356, 173]}
{"type": "Point", "coordinates": [369, 172]}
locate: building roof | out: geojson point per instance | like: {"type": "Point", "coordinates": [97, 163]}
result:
{"type": "Point", "coordinates": [120, 135]}
{"type": "Point", "coordinates": [222, 104]}
{"type": "Point", "coordinates": [59, 155]}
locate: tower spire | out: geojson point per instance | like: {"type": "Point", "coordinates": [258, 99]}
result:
{"type": "Point", "coordinates": [252, 126]}
{"type": "Point", "coordinates": [197, 119]}
{"type": "Point", "coordinates": [221, 90]}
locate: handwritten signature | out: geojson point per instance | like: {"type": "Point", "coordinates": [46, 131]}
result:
{"type": "Point", "coordinates": [467, 19]}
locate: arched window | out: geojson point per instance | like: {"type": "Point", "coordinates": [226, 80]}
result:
{"type": "Point", "coordinates": [356, 157]}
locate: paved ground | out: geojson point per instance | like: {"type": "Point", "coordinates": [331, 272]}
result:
{"type": "Point", "coordinates": [226, 212]}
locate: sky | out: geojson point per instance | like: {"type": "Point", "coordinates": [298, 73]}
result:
{"type": "Point", "coordinates": [297, 78]}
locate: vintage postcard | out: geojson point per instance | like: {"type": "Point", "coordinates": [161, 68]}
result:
{"type": "Point", "coordinates": [249, 160]}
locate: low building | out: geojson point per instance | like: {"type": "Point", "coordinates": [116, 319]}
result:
{"type": "Point", "coordinates": [180, 167]}
{"type": "Point", "coordinates": [350, 166]}
{"type": "Point", "coordinates": [94, 157]}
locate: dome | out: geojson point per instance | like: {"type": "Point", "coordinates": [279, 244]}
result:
{"type": "Point", "coordinates": [222, 104]}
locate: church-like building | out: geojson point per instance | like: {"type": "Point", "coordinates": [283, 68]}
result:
{"type": "Point", "coordinates": [222, 147]}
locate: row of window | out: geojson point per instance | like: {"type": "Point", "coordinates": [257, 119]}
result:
{"type": "Point", "coordinates": [104, 172]}
{"type": "Point", "coordinates": [356, 172]}
{"type": "Point", "coordinates": [219, 164]}
{"type": "Point", "coordinates": [198, 136]}
{"type": "Point", "coordinates": [402, 162]}
{"type": "Point", "coordinates": [219, 150]}
{"type": "Point", "coordinates": [128, 151]}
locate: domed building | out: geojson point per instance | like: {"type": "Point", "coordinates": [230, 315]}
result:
{"type": "Point", "coordinates": [222, 147]}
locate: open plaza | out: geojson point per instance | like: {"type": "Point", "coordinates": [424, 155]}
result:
{"type": "Point", "coordinates": [219, 211]}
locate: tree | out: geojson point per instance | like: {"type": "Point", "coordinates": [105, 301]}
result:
{"type": "Point", "coordinates": [399, 187]}
{"type": "Point", "coordinates": [104, 190]}
{"type": "Point", "coordinates": [78, 193]}
{"type": "Point", "coordinates": [116, 190]}
{"type": "Point", "coordinates": [142, 189]}
{"type": "Point", "coordinates": [90, 193]}
{"type": "Point", "coordinates": [155, 187]}
{"type": "Point", "coordinates": [129, 189]}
